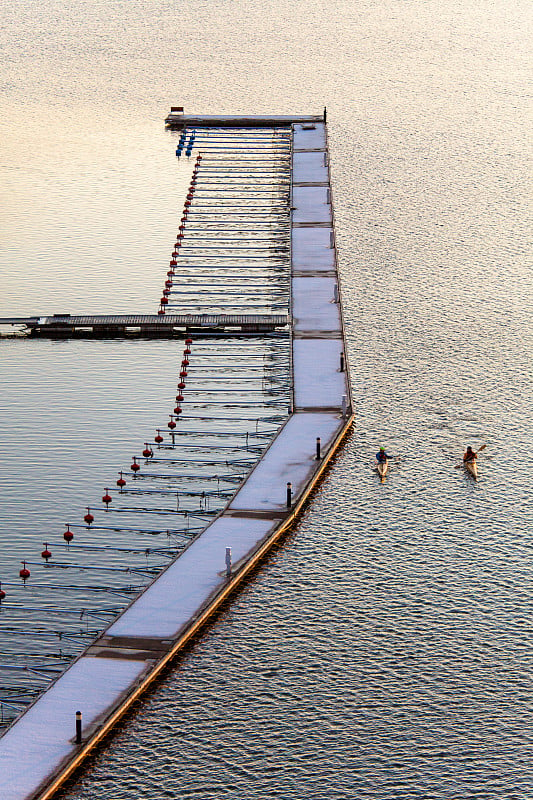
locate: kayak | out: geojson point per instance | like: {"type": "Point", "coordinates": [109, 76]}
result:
{"type": "Point", "coordinates": [382, 468]}
{"type": "Point", "coordinates": [471, 467]}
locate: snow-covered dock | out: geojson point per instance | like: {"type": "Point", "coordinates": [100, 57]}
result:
{"type": "Point", "coordinates": [39, 751]}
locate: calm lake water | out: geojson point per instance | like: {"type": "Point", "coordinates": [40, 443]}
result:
{"type": "Point", "coordinates": [384, 650]}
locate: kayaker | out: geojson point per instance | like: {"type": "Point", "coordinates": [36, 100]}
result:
{"type": "Point", "coordinates": [469, 455]}
{"type": "Point", "coordinates": [381, 456]}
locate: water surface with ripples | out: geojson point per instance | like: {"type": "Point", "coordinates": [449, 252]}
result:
{"type": "Point", "coordinates": [384, 649]}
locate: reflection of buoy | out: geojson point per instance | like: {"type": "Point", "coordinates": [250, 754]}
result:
{"type": "Point", "coordinates": [68, 536]}
{"type": "Point", "coordinates": [24, 572]}
{"type": "Point", "coordinates": [135, 467]}
{"type": "Point", "coordinates": [89, 519]}
{"type": "Point", "coordinates": [107, 498]}
{"type": "Point", "coordinates": [121, 482]}
{"type": "Point", "coordinates": [147, 452]}
{"type": "Point", "coordinates": [46, 554]}
{"type": "Point", "coordinates": [158, 438]}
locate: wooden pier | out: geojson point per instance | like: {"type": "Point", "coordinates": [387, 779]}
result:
{"type": "Point", "coordinates": [62, 326]}
{"type": "Point", "coordinates": [42, 749]}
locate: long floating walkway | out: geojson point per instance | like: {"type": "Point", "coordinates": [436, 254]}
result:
{"type": "Point", "coordinates": [39, 751]}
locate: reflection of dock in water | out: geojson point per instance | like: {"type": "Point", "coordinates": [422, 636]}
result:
{"type": "Point", "coordinates": [256, 237]}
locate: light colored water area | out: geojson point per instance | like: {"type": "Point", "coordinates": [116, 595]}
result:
{"type": "Point", "coordinates": [384, 650]}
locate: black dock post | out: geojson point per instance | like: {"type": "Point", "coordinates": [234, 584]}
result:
{"type": "Point", "coordinates": [78, 727]}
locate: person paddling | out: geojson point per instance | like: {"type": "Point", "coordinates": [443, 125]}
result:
{"type": "Point", "coordinates": [382, 456]}
{"type": "Point", "coordinates": [382, 463]}
{"type": "Point", "coordinates": [469, 455]}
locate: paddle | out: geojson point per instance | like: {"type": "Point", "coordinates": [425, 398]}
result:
{"type": "Point", "coordinates": [458, 466]}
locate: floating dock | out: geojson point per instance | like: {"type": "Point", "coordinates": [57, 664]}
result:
{"type": "Point", "coordinates": [44, 747]}
{"type": "Point", "coordinates": [64, 326]}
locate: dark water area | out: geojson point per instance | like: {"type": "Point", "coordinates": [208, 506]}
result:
{"type": "Point", "coordinates": [384, 650]}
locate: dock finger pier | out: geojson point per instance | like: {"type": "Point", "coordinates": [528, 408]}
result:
{"type": "Point", "coordinates": [251, 298]}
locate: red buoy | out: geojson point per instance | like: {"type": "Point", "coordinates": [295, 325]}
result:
{"type": "Point", "coordinates": [168, 284]}
{"type": "Point", "coordinates": [89, 519]}
{"type": "Point", "coordinates": [171, 424]}
{"type": "Point", "coordinates": [181, 227]}
{"type": "Point", "coordinates": [170, 273]}
{"type": "Point", "coordinates": [107, 498]}
{"type": "Point", "coordinates": [177, 410]}
{"type": "Point", "coordinates": [2, 593]}
{"type": "Point", "coordinates": [183, 373]}
{"type": "Point", "coordinates": [185, 362]}
{"type": "Point", "coordinates": [188, 341]}
{"type": "Point", "coordinates": [158, 438]}
{"type": "Point", "coordinates": [121, 482]}
{"type": "Point", "coordinates": [24, 572]}
{"type": "Point", "coordinates": [164, 301]}
{"type": "Point", "coordinates": [147, 452]}
{"type": "Point", "coordinates": [181, 385]}
{"type": "Point", "coordinates": [187, 352]}
{"type": "Point", "coordinates": [68, 536]}
{"type": "Point", "coordinates": [166, 292]}
{"type": "Point", "coordinates": [173, 262]}
{"type": "Point", "coordinates": [46, 554]}
{"type": "Point", "coordinates": [161, 312]}
{"type": "Point", "coordinates": [187, 203]}
{"type": "Point", "coordinates": [179, 237]}
{"type": "Point", "coordinates": [179, 398]}
{"type": "Point", "coordinates": [135, 467]}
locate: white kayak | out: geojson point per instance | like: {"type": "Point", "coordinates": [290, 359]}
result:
{"type": "Point", "coordinates": [382, 468]}
{"type": "Point", "coordinates": [471, 467]}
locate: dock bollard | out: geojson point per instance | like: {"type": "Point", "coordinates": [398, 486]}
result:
{"type": "Point", "coordinates": [318, 448]}
{"type": "Point", "coordinates": [78, 727]}
{"type": "Point", "coordinates": [228, 562]}
{"type": "Point", "coordinates": [289, 494]}
{"type": "Point", "coordinates": [342, 362]}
